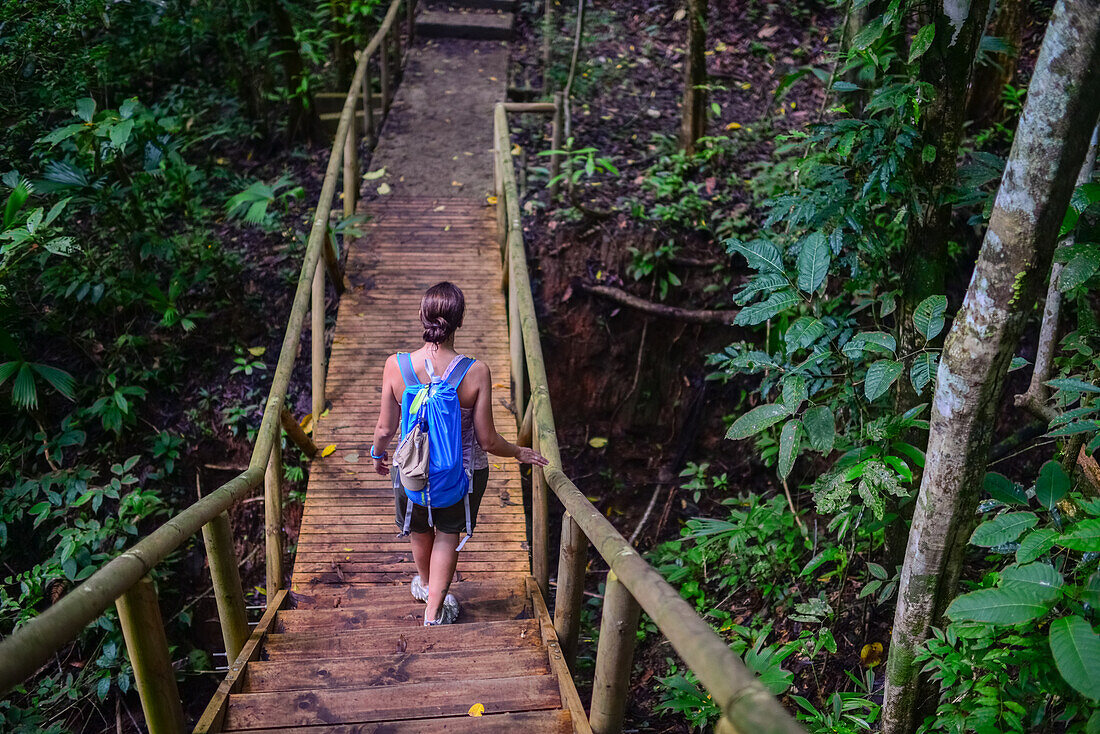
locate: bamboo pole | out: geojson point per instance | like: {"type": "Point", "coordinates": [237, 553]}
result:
{"type": "Point", "coordinates": [273, 520]}
{"type": "Point", "coordinates": [351, 178]}
{"type": "Point", "coordinates": [533, 107]}
{"type": "Point", "coordinates": [555, 144]}
{"type": "Point", "coordinates": [410, 20]}
{"type": "Point", "coordinates": [297, 435]}
{"type": "Point", "coordinates": [540, 529]}
{"type": "Point", "coordinates": [384, 72]}
{"type": "Point", "coordinates": [572, 564]}
{"type": "Point", "coordinates": [226, 578]}
{"type": "Point", "coordinates": [317, 343]}
{"type": "Point", "coordinates": [332, 260]}
{"type": "Point", "coordinates": [368, 108]}
{"type": "Point", "coordinates": [614, 658]}
{"type": "Point", "coordinates": [155, 679]}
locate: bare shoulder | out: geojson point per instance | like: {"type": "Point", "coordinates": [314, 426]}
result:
{"type": "Point", "coordinates": [479, 372]}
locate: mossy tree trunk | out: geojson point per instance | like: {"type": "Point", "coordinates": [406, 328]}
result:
{"type": "Point", "coordinates": [1013, 265]}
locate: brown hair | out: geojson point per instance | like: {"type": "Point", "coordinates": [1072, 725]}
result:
{"type": "Point", "coordinates": [441, 312]}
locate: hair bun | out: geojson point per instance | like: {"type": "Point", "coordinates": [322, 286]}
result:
{"type": "Point", "coordinates": [441, 312]}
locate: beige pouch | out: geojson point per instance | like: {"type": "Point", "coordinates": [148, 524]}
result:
{"type": "Point", "coordinates": [411, 460]}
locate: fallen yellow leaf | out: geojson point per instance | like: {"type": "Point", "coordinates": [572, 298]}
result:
{"type": "Point", "coordinates": [257, 351]}
{"type": "Point", "coordinates": [597, 442]}
{"type": "Point", "coordinates": [324, 413]}
{"type": "Point", "coordinates": [383, 188]}
{"type": "Point", "coordinates": [328, 450]}
{"type": "Point", "coordinates": [871, 654]}
{"type": "Point", "coordinates": [307, 423]}
{"type": "Point", "coordinates": [477, 709]}
{"type": "Point", "coordinates": [733, 126]}
{"type": "Point", "coordinates": [491, 199]}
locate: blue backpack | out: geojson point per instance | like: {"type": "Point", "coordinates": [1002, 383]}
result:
{"type": "Point", "coordinates": [436, 409]}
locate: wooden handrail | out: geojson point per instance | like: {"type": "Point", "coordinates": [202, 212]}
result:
{"type": "Point", "coordinates": [746, 704]}
{"type": "Point", "coordinates": [32, 645]}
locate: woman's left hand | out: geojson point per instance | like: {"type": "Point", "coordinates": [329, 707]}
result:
{"type": "Point", "coordinates": [529, 456]}
{"type": "Point", "coordinates": [380, 465]}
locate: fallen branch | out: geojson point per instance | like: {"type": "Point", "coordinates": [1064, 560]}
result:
{"type": "Point", "coordinates": [693, 316]}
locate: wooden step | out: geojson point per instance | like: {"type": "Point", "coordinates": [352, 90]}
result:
{"type": "Point", "coordinates": [387, 640]}
{"type": "Point", "coordinates": [505, 5]}
{"type": "Point", "coordinates": [384, 670]}
{"type": "Point", "coordinates": [533, 722]}
{"type": "Point", "coordinates": [474, 592]}
{"type": "Point", "coordinates": [390, 703]}
{"type": "Point", "coordinates": [471, 26]}
{"type": "Point", "coordinates": [394, 613]}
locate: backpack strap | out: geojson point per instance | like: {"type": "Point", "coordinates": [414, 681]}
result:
{"type": "Point", "coordinates": [404, 361]}
{"type": "Point", "coordinates": [458, 369]}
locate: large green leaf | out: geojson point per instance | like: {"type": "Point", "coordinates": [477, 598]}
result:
{"type": "Point", "coordinates": [820, 428]}
{"type": "Point", "coordinates": [1035, 544]}
{"type": "Point", "coordinates": [1004, 489]}
{"type": "Point", "coordinates": [794, 391]}
{"type": "Point", "coordinates": [922, 369]}
{"type": "Point", "coordinates": [869, 341]}
{"type": "Point", "coordinates": [1052, 484]}
{"type": "Point", "coordinates": [921, 42]}
{"type": "Point", "coordinates": [813, 262]}
{"type": "Point", "coordinates": [756, 420]}
{"type": "Point", "coordinates": [880, 376]}
{"type": "Point", "coordinates": [1083, 536]}
{"type": "Point", "coordinates": [760, 254]}
{"type": "Point", "coordinates": [1073, 384]}
{"type": "Point", "coordinates": [788, 446]}
{"type": "Point", "coordinates": [804, 332]}
{"type": "Point", "coordinates": [928, 316]}
{"type": "Point", "coordinates": [1078, 270]}
{"type": "Point", "coordinates": [1076, 650]}
{"type": "Point", "coordinates": [1041, 579]}
{"type": "Point", "coordinates": [1003, 529]}
{"type": "Point", "coordinates": [1010, 605]}
{"type": "Point", "coordinates": [758, 313]}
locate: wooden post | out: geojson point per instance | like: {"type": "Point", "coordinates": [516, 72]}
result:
{"type": "Point", "coordinates": [368, 107]}
{"type": "Point", "coordinates": [614, 657]}
{"type": "Point", "coordinates": [297, 435]}
{"type": "Point", "coordinates": [555, 143]}
{"type": "Point", "coordinates": [693, 123]}
{"type": "Point", "coordinates": [273, 518]}
{"type": "Point", "coordinates": [526, 426]}
{"type": "Point", "coordinates": [224, 573]}
{"type": "Point", "coordinates": [351, 172]}
{"type": "Point", "coordinates": [515, 341]}
{"type": "Point", "coordinates": [332, 261]}
{"type": "Point", "coordinates": [547, 36]}
{"type": "Point", "coordinates": [572, 564]}
{"type": "Point", "coordinates": [410, 20]}
{"type": "Point", "coordinates": [317, 341]}
{"type": "Point", "coordinates": [154, 677]}
{"type": "Point", "coordinates": [384, 72]}
{"type": "Point", "coordinates": [540, 529]}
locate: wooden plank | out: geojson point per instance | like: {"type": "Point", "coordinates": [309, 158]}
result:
{"type": "Point", "coordinates": [504, 587]}
{"type": "Point", "coordinates": [385, 670]}
{"type": "Point", "coordinates": [396, 613]}
{"type": "Point", "coordinates": [566, 687]}
{"type": "Point", "coordinates": [459, 637]}
{"type": "Point", "coordinates": [543, 722]}
{"type": "Point", "coordinates": [407, 701]}
{"type": "Point", "coordinates": [213, 718]}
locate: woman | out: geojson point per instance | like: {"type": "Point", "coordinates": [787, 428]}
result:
{"type": "Point", "coordinates": [435, 548]}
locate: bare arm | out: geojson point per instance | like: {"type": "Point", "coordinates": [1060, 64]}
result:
{"type": "Point", "coordinates": [388, 416]}
{"type": "Point", "coordinates": [484, 427]}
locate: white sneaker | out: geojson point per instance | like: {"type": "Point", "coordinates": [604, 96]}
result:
{"type": "Point", "coordinates": [418, 589]}
{"type": "Point", "coordinates": [448, 612]}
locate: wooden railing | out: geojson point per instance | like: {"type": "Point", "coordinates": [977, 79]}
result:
{"type": "Point", "coordinates": [124, 581]}
{"type": "Point", "coordinates": [632, 584]}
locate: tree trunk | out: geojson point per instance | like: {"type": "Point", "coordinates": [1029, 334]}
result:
{"type": "Point", "coordinates": [1012, 266]}
{"type": "Point", "coordinates": [985, 105]}
{"type": "Point", "coordinates": [693, 123]}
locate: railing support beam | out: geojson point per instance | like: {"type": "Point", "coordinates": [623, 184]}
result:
{"type": "Point", "coordinates": [317, 343]}
{"type": "Point", "coordinates": [226, 578]}
{"type": "Point", "coordinates": [614, 657]}
{"type": "Point", "coordinates": [572, 564]}
{"type": "Point", "coordinates": [273, 519]}
{"type": "Point", "coordinates": [540, 527]}
{"type": "Point", "coordinates": [154, 677]}
{"type": "Point", "coordinates": [296, 434]}
{"type": "Point", "coordinates": [555, 143]}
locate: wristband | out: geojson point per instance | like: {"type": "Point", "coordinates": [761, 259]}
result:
{"type": "Point", "coordinates": [373, 456]}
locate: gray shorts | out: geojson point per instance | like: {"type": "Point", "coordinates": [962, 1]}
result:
{"type": "Point", "coordinates": [447, 519]}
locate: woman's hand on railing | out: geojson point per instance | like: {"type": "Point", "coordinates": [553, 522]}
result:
{"type": "Point", "coordinates": [525, 455]}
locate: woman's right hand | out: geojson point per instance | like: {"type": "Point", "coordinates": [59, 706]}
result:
{"type": "Point", "coordinates": [525, 455]}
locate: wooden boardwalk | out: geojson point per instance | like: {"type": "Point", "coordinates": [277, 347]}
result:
{"type": "Point", "coordinates": [347, 653]}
